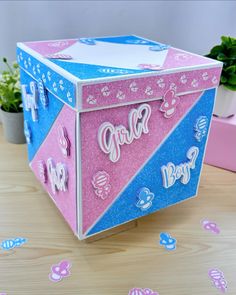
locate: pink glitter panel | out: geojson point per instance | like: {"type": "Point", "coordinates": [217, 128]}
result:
{"type": "Point", "coordinates": [50, 47]}
{"type": "Point", "coordinates": [65, 200]}
{"type": "Point", "coordinates": [149, 87]}
{"type": "Point", "coordinates": [133, 156]}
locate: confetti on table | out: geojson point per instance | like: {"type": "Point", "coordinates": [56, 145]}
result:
{"type": "Point", "coordinates": [210, 226]}
{"type": "Point", "coordinates": [60, 271]}
{"type": "Point", "coordinates": [139, 291]}
{"type": "Point", "coordinates": [218, 279]}
{"type": "Point", "coordinates": [167, 241]}
{"type": "Point", "coordinates": [13, 243]}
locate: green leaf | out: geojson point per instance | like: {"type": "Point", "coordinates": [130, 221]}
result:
{"type": "Point", "coordinates": [222, 57]}
{"type": "Point", "coordinates": [216, 50]}
{"type": "Point", "coordinates": [232, 79]}
{"type": "Point", "coordinates": [223, 79]}
{"type": "Point", "coordinates": [230, 87]}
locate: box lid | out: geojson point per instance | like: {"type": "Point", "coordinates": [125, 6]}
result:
{"type": "Point", "coordinates": [91, 73]}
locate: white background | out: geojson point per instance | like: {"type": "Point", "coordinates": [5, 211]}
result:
{"type": "Point", "coordinates": [191, 25]}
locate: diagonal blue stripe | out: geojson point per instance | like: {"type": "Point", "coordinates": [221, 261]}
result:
{"type": "Point", "coordinates": [46, 118]}
{"type": "Point", "coordinates": [174, 150]}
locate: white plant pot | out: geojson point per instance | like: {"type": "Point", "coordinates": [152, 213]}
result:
{"type": "Point", "coordinates": [225, 105]}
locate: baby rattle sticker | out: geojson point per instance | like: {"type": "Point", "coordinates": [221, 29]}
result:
{"type": "Point", "coordinates": [111, 138]}
{"type": "Point", "coordinates": [172, 172]}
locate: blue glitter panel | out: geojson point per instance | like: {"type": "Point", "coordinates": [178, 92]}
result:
{"type": "Point", "coordinates": [174, 150]}
{"type": "Point", "coordinates": [46, 117]}
{"type": "Point", "coordinates": [53, 82]}
{"type": "Point", "coordinates": [87, 71]}
{"type": "Point", "coordinates": [135, 40]}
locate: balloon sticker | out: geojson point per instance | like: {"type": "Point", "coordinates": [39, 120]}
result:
{"type": "Point", "coordinates": [101, 184]}
{"type": "Point", "coordinates": [218, 279]}
{"type": "Point", "coordinates": [13, 243]}
{"type": "Point", "coordinates": [42, 93]}
{"type": "Point", "coordinates": [201, 127]}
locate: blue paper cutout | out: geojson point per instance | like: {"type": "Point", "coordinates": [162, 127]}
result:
{"type": "Point", "coordinates": [159, 47]}
{"type": "Point", "coordinates": [167, 241]}
{"type": "Point", "coordinates": [42, 93]}
{"type": "Point", "coordinates": [13, 243]}
{"type": "Point", "coordinates": [87, 41]}
{"type": "Point", "coordinates": [173, 149]}
{"type": "Point", "coordinates": [145, 199]}
{"type": "Point", "coordinates": [27, 132]}
{"type": "Point", "coordinates": [135, 40]}
{"type": "Point", "coordinates": [201, 127]}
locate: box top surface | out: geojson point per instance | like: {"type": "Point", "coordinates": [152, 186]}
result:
{"type": "Point", "coordinates": [99, 58]}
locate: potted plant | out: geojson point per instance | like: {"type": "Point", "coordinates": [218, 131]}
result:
{"type": "Point", "coordinates": [11, 111]}
{"type": "Point", "coordinates": [225, 105]}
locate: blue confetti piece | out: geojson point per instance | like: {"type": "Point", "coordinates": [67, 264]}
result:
{"type": "Point", "coordinates": [87, 41]}
{"type": "Point", "coordinates": [167, 241]}
{"type": "Point", "coordinates": [13, 243]}
{"type": "Point", "coordinates": [159, 47]}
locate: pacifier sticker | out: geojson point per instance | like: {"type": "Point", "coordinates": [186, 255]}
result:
{"type": "Point", "coordinates": [171, 172]}
{"type": "Point", "coordinates": [101, 184]}
{"type": "Point", "coordinates": [60, 271]}
{"type": "Point", "coordinates": [218, 279]}
{"type": "Point", "coordinates": [169, 104]}
{"type": "Point", "coordinates": [167, 241]}
{"type": "Point", "coordinates": [210, 226]}
{"type": "Point", "coordinates": [145, 199]}
{"type": "Point", "coordinates": [13, 243]}
{"type": "Point", "coordinates": [63, 141]}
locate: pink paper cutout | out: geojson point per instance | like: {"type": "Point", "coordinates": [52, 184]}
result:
{"type": "Point", "coordinates": [60, 271]}
{"type": "Point", "coordinates": [169, 104]}
{"type": "Point", "coordinates": [210, 226]}
{"type": "Point", "coordinates": [218, 279]}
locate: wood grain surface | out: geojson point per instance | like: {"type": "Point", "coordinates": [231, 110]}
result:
{"type": "Point", "coordinates": [118, 263]}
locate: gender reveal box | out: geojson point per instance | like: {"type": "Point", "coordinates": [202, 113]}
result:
{"type": "Point", "coordinates": [116, 127]}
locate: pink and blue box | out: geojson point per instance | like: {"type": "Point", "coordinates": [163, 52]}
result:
{"type": "Point", "coordinates": [116, 127]}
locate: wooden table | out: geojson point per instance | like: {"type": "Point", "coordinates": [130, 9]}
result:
{"type": "Point", "coordinates": [114, 265]}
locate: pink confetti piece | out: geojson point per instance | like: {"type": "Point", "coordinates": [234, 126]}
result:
{"type": "Point", "coordinates": [218, 279]}
{"type": "Point", "coordinates": [60, 271]}
{"type": "Point", "coordinates": [210, 226]}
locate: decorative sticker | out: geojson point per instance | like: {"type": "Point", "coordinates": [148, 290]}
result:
{"type": "Point", "coordinates": [159, 47]}
{"type": "Point", "coordinates": [42, 168]}
{"type": "Point", "coordinates": [145, 199]}
{"type": "Point", "coordinates": [42, 93]}
{"type": "Point", "coordinates": [101, 184]}
{"type": "Point", "coordinates": [31, 99]}
{"type": "Point", "coordinates": [218, 279]}
{"type": "Point", "coordinates": [139, 291]}
{"type": "Point", "coordinates": [172, 172]}
{"type": "Point", "coordinates": [201, 127]}
{"type": "Point", "coordinates": [153, 67]}
{"type": "Point", "coordinates": [111, 137]}
{"type": "Point", "coordinates": [27, 132]}
{"type": "Point", "coordinates": [210, 226]}
{"type": "Point", "coordinates": [63, 141]}
{"type": "Point", "coordinates": [87, 41]}
{"type": "Point", "coordinates": [58, 56]}
{"type": "Point", "coordinates": [13, 243]}
{"type": "Point", "coordinates": [57, 175]}
{"type": "Point", "coordinates": [60, 271]}
{"type": "Point", "coordinates": [169, 104]}
{"type": "Point", "coordinates": [167, 241]}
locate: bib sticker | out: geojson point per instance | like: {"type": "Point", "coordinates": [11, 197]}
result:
{"type": "Point", "coordinates": [111, 137]}
{"type": "Point", "coordinates": [172, 172]}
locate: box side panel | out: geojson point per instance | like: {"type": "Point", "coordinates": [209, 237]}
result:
{"type": "Point", "coordinates": [50, 132]}
{"type": "Point", "coordinates": [51, 80]}
{"type": "Point", "coordinates": [137, 89]}
{"type": "Point", "coordinates": [168, 176]}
